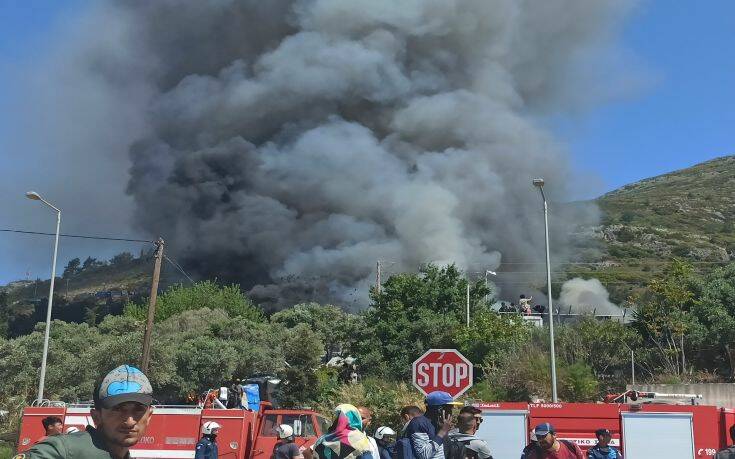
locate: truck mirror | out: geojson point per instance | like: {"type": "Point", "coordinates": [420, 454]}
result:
{"type": "Point", "coordinates": [297, 427]}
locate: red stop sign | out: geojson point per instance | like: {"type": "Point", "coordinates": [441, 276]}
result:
{"type": "Point", "coordinates": [442, 369]}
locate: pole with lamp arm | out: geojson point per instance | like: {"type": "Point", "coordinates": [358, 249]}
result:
{"type": "Point", "coordinates": [37, 197]}
{"type": "Point", "coordinates": [539, 183]}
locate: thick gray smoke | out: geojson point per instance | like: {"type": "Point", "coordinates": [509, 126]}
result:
{"type": "Point", "coordinates": [290, 144]}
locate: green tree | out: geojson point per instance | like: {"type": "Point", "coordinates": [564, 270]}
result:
{"type": "Point", "coordinates": [322, 319]}
{"type": "Point", "coordinates": [663, 315]}
{"type": "Point", "coordinates": [302, 350]}
{"type": "Point", "coordinates": [491, 336]}
{"type": "Point", "coordinates": [122, 259]}
{"type": "Point", "coordinates": [412, 313]}
{"type": "Point", "coordinates": [72, 268]}
{"type": "Point", "coordinates": [715, 310]}
{"type": "Point", "coordinates": [205, 294]}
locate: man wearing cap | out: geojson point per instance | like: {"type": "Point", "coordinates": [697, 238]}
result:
{"type": "Point", "coordinates": [428, 431]}
{"type": "Point", "coordinates": [122, 410]}
{"type": "Point", "coordinates": [551, 448]}
{"type": "Point", "coordinates": [603, 450]}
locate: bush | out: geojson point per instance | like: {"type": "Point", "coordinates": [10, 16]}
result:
{"type": "Point", "coordinates": [206, 294]}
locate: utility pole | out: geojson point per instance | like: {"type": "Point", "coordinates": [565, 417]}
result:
{"type": "Point", "coordinates": [146, 357]}
{"type": "Point", "coordinates": [377, 278]}
{"type": "Point", "coordinates": [468, 303]}
{"type": "Point", "coordinates": [632, 368]}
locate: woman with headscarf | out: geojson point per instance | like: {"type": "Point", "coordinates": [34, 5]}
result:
{"type": "Point", "coordinates": [345, 438]}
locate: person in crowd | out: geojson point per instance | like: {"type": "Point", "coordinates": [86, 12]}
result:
{"type": "Point", "coordinates": [345, 438]}
{"type": "Point", "coordinates": [603, 450]}
{"type": "Point", "coordinates": [532, 444]}
{"type": "Point", "coordinates": [366, 416]}
{"type": "Point", "coordinates": [513, 307]}
{"type": "Point", "coordinates": [52, 425]}
{"type": "Point", "coordinates": [525, 303]}
{"type": "Point", "coordinates": [121, 413]}
{"type": "Point", "coordinates": [539, 309]}
{"type": "Point", "coordinates": [427, 432]}
{"type": "Point", "coordinates": [286, 448]}
{"type": "Point", "coordinates": [207, 447]}
{"type": "Point", "coordinates": [407, 413]}
{"type": "Point", "coordinates": [728, 453]}
{"type": "Point", "coordinates": [386, 439]}
{"type": "Point", "coordinates": [464, 438]}
{"type": "Point", "coordinates": [549, 447]}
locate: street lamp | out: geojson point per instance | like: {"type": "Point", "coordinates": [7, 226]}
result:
{"type": "Point", "coordinates": [37, 197]}
{"type": "Point", "coordinates": [539, 182]}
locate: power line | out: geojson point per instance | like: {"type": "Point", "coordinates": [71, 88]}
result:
{"type": "Point", "coordinates": [79, 236]}
{"type": "Point", "coordinates": [179, 268]}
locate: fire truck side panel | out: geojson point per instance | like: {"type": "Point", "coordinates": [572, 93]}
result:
{"type": "Point", "coordinates": [31, 428]}
{"type": "Point", "coordinates": [660, 434]}
{"type": "Point", "coordinates": [705, 421]}
{"type": "Point", "coordinates": [234, 436]}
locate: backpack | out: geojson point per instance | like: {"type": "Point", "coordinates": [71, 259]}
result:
{"type": "Point", "coordinates": [403, 449]}
{"type": "Point", "coordinates": [455, 449]}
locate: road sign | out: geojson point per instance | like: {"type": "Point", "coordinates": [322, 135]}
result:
{"type": "Point", "coordinates": [442, 369]}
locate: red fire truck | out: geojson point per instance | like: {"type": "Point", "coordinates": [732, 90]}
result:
{"type": "Point", "coordinates": [174, 430]}
{"type": "Point", "coordinates": [639, 430]}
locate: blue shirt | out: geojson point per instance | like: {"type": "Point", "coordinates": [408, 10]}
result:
{"type": "Point", "coordinates": [425, 442]}
{"type": "Point", "coordinates": [597, 453]}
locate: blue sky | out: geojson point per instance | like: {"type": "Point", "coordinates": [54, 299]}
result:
{"type": "Point", "coordinates": [683, 116]}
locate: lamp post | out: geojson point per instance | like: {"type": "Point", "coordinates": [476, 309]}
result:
{"type": "Point", "coordinates": [36, 197]}
{"type": "Point", "coordinates": [539, 183]}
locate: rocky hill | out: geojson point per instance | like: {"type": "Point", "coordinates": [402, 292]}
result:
{"type": "Point", "coordinates": [686, 214]}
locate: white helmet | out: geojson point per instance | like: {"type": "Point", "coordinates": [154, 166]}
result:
{"type": "Point", "coordinates": [209, 427]}
{"type": "Point", "coordinates": [384, 431]}
{"type": "Point", "coordinates": [284, 431]}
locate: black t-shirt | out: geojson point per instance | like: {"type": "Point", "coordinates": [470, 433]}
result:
{"type": "Point", "coordinates": [286, 451]}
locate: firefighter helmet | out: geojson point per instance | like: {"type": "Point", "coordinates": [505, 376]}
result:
{"type": "Point", "coordinates": [284, 431]}
{"type": "Point", "coordinates": [384, 431]}
{"type": "Point", "coordinates": [210, 428]}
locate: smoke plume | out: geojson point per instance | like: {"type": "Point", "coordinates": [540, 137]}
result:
{"type": "Point", "coordinates": [290, 144]}
{"type": "Point", "coordinates": [587, 296]}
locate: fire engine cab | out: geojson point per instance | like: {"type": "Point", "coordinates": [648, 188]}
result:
{"type": "Point", "coordinates": [174, 430]}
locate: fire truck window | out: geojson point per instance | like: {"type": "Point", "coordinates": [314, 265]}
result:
{"type": "Point", "coordinates": [307, 424]}
{"type": "Point", "coordinates": [324, 424]}
{"type": "Point", "coordinates": [269, 426]}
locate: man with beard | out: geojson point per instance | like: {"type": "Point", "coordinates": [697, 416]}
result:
{"type": "Point", "coordinates": [121, 413]}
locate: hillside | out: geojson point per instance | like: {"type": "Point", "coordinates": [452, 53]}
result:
{"type": "Point", "coordinates": [686, 214]}
{"type": "Point", "coordinates": [85, 293]}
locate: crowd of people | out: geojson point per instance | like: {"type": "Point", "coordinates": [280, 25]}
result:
{"type": "Point", "coordinates": [122, 411]}
{"type": "Point", "coordinates": [523, 307]}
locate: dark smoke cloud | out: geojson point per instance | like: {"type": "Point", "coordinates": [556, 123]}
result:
{"type": "Point", "coordinates": [289, 145]}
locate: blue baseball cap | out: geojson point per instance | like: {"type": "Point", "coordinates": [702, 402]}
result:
{"type": "Point", "coordinates": [439, 398]}
{"type": "Point", "coordinates": [543, 430]}
{"type": "Point", "coordinates": [123, 384]}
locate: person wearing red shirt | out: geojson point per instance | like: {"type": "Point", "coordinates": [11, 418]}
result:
{"type": "Point", "coordinates": [549, 447]}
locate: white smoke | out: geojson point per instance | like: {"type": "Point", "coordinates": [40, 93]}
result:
{"type": "Point", "coordinates": [587, 296]}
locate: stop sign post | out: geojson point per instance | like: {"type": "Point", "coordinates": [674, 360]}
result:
{"type": "Point", "coordinates": [442, 369]}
